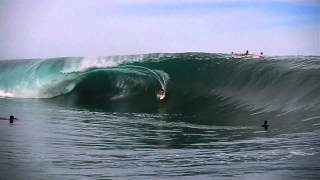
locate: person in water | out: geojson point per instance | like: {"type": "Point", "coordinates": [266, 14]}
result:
{"type": "Point", "coordinates": [261, 54]}
{"type": "Point", "coordinates": [247, 52]}
{"type": "Point", "coordinates": [161, 92]}
{"type": "Point", "coordinates": [265, 125]}
{"type": "Point", "coordinates": [12, 118]}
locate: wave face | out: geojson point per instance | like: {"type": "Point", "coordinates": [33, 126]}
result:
{"type": "Point", "coordinates": [194, 82]}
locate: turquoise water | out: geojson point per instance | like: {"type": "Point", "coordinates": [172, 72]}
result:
{"type": "Point", "coordinates": [100, 118]}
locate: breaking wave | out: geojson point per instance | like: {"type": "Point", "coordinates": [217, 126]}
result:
{"type": "Point", "coordinates": [194, 82]}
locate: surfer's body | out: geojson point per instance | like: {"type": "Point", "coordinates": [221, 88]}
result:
{"type": "Point", "coordinates": [265, 125]}
{"type": "Point", "coordinates": [161, 94]}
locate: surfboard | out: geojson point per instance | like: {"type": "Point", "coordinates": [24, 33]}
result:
{"type": "Point", "coordinates": [248, 56]}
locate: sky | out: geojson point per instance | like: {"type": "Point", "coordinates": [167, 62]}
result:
{"type": "Point", "coordinates": [59, 28]}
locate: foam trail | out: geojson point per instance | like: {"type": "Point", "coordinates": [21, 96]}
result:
{"type": "Point", "coordinates": [161, 76]}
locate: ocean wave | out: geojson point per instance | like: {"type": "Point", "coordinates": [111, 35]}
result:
{"type": "Point", "coordinates": [193, 81]}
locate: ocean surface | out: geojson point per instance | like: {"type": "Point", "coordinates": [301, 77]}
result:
{"type": "Point", "coordinates": [100, 118]}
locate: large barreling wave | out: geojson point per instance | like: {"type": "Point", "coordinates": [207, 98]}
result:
{"type": "Point", "coordinates": [194, 82]}
{"type": "Point", "coordinates": [104, 78]}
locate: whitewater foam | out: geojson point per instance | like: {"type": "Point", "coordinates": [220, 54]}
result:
{"type": "Point", "coordinates": [87, 63]}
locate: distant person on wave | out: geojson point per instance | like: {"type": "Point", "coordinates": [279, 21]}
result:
{"type": "Point", "coordinates": [246, 55]}
{"type": "Point", "coordinates": [261, 54]}
{"type": "Point", "coordinates": [240, 54]}
{"type": "Point", "coordinates": [12, 118]}
{"type": "Point", "coordinates": [265, 125]}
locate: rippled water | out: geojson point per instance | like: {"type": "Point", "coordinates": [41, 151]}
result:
{"type": "Point", "coordinates": [54, 141]}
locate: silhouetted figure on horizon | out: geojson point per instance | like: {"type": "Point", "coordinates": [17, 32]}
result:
{"type": "Point", "coordinates": [265, 125]}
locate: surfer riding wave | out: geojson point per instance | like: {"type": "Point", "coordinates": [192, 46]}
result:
{"type": "Point", "coordinates": [161, 94]}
